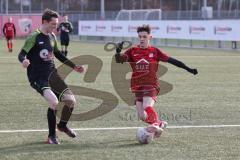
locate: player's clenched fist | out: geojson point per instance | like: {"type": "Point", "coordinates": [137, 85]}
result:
{"type": "Point", "coordinates": [25, 63]}
{"type": "Point", "coordinates": [79, 68]}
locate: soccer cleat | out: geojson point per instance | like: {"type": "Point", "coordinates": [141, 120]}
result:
{"type": "Point", "coordinates": [67, 130]}
{"type": "Point", "coordinates": [154, 128]}
{"type": "Point", "coordinates": [52, 140]}
{"type": "Point", "coordinates": [163, 124]}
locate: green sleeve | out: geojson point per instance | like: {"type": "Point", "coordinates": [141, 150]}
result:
{"type": "Point", "coordinates": [30, 42]}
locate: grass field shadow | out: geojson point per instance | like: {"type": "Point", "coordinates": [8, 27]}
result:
{"type": "Point", "coordinates": [38, 147]}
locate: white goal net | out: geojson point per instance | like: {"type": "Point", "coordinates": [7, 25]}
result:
{"type": "Point", "coordinates": [144, 14]}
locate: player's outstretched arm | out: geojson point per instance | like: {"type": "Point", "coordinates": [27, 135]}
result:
{"type": "Point", "coordinates": [62, 58]}
{"type": "Point", "coordinates": [180, 64]}
{"type": "Point", "coordinates": [65, 60]}
{"type": "Point", "coordinates": [118, 56]}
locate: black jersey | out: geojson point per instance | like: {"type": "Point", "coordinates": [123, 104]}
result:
{"type": "Point", "coordinates": [65, 28]}
{"type": "Point", "coordinates": [40, 49]}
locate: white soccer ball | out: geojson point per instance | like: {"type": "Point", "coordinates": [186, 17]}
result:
{"type": "Point", "coordinates": [143, 136]}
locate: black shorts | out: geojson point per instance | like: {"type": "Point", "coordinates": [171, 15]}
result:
{"type": "Point", "coordinates": [53, 82]}
{"type": "Point", "coordinates": [64, 40]}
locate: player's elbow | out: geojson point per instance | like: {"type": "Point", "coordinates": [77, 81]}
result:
{"type": "Point", "coordinates": [22, 56]}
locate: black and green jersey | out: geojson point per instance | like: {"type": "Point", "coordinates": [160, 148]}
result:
{"type": "Point", "coordinates": [40, 49]}
{"type": "Point", "coordinates": [65, 28]}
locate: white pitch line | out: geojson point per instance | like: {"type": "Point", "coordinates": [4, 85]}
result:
{"type": "Point", "coordinates": [204, 126]}
{"type": "Point", "coordinates": [121, 128]}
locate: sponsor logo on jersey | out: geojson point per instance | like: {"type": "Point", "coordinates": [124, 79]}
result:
{"type": "Point", "coordinates": [46, 55]}
{"type": "Point", "coordinates": [142, 65]}
{"type": "Point", "coordinates": [142, 61]}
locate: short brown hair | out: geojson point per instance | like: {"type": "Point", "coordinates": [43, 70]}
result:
{"type": "Point", "coordinates": [48, 14]}
{"type": "Point", "coordinates": [144, 28]}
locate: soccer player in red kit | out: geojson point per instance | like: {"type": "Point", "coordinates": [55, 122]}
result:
{"type": "Point", "coordinates": [9, 32]}
{"type": "Point", "coordinates": [144, 60]}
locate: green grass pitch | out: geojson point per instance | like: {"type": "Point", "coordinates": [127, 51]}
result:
{"type": "Point", "coordinates": [210, 98]}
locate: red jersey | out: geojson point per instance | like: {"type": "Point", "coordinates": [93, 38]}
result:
{"type": "Point", "coordinates": [9, 29]}
{"type": "Point", "coordinates": [144, 63]}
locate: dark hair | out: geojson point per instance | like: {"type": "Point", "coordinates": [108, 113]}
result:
{"type": "Point", "coordinates": [144, 28]}
{"type": "Point", "coordinates": [48, 14]}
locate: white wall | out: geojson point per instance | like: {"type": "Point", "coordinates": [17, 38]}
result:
{"type": "Point", "coordinates": [225, 30]}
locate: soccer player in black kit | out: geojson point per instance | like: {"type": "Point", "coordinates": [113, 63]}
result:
{"type": "Point", "coordinates": [65, 28]}
{"type": "Point", "coordinates": [37, 55]}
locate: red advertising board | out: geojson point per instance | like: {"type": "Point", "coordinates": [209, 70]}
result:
{"type": "Point", "coordinates": [24, 24]}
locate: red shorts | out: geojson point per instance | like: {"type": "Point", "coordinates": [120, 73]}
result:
{"type": "Point", "coordinates": [146, 91]}
{"type": "Point", "coordinates": [9, 37]}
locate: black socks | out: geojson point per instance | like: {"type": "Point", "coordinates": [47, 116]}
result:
{"type": "Point", "coordinates": [66, 114]}
{"type": "Point", "coordinates": [51, 116]}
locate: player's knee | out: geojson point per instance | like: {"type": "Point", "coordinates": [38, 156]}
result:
{"type": "Point", "coordinates": [69, 100]}
{"type": "Point", "coordinates": [54, 103]}
{"type": "Point", "coordinates": [51, 98]}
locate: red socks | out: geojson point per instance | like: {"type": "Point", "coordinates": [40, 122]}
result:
{"type": "Point", "coordinates": [9, 44]}
{"type": "Point", "coordinates": [152, 115]}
